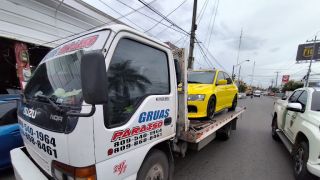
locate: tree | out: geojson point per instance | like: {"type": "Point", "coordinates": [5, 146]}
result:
{"type": "Point", "coordinates": [124, 77]}
{"type": "Point", "coordinates": [291, 86]}
{"type": "Point", "coordinates": [242, 88]}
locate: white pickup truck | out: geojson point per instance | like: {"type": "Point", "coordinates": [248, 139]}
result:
{"type": "Point", "coordinates": [296, 122]}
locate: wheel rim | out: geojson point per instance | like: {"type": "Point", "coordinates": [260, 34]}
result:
{"type": "Point", "coordinates": [211, 109]}
{"type": "Point", "coordinates": [156, 172]}
{"type": "Point", "coordinates": [298, 160]}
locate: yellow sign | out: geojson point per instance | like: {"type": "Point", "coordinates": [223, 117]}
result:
{"type": "Point", "coordinates": [307, 51]}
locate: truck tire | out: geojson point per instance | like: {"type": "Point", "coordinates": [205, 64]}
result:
{"type": "Point", "coordinates": [155, 166]}
{"type": "Point", "coordinates": [211, 108]}
{"type": "Point", "coordinates": [274, 127]}
{"type": "Point", "coordinates": [300, 159]}
{"type": "Point", "coordinates": [234, 104]}
{"type": "Point", "coordinates": [225, 132]}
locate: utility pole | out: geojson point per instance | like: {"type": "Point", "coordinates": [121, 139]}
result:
{"type": "Point", "coordinates": [254, 64]}
{"type": "Point", "coordinates": [271, 83]}
{"type": "Point", "coordinates": [277, 78]}
{"type": "Point", "coordinates": [239, 73]}
{"type": "Point", "coordinates": [240, 38]}
{"type": "Point", "coordinates": [314, 51]}
{"type": "Point", "coordinates": [192, 35]}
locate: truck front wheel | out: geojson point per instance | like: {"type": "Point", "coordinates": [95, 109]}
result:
{"type": "Point", "coordinates": [154, 167]}
{"type": "Point", "coordinates": [274, 127]}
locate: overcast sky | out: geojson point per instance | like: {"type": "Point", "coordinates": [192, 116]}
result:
{"type": "Point", "coordinates": [272, 30]}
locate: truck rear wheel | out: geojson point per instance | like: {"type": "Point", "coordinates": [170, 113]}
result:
{"type": "Point", "coordinates": [300, 159]}
{"type": "Point", "coordinates": [225, 132]}
{"type": "Point", "coordinates": [154, 167]}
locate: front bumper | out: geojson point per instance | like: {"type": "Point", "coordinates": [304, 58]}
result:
{"type": "Point", "coordinates": [23, 166]}
{"type": "Point", "coordinates": [201, 109]}
{"type": "Point", "coordinates": [314, 169]}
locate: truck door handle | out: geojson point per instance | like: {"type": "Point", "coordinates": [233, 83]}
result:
{"type": "Point", "coordinates": [167, 121]}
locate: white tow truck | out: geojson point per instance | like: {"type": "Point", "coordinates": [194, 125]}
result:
{"type": "Point", "coordinates": [296, 122]}
{"type": "Point", "coordinates": [106, 105]}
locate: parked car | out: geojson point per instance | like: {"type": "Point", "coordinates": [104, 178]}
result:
{"type": "Point", "coordinates": [257, 93]}
{"type": "Point", "coordinates": [296, 122]}
{"type": "Point", "coordinates": [242, 96]}
{"type": "Point", "coordinates": [210, 91]}
{"type": "Point", "coordinates": [9, 129]}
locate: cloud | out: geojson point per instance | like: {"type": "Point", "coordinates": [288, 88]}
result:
{"type": "Point", "coordinates": [248, 43]}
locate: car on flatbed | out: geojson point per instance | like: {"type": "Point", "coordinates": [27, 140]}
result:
{"type": "Point", "coordinates": [209, 92]}
{"type": "Point", "coordinates": [296, 122]}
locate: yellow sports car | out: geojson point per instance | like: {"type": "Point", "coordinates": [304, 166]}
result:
{"type": "Point", "coordinates": [209, 92]}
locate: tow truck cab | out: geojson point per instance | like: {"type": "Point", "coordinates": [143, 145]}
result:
{"type": "Point", "coordinates": [95, 107]}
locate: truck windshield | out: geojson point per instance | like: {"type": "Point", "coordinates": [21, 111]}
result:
{"type": "Point", "coordinates": [315, 103]}
{"type": "Point", "coordinates": [201, 77]}
{"type": "Point", "coordinates": [58, 79]}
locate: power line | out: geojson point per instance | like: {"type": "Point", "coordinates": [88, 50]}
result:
{"type": "Point", "coordinates": [207, 60]}
{"type": "Point", "coordinates": [121, 14]}
{"type": "Point", "coordinates": [166, 16]}
{"type": "Point", "coordinates": [213, 23]}
{"type": "Point", "coordinates": [152, 18]}
{"type": "Point", "coordinates": [213, 57]}
{"type": "Point", "coordinates": [208, 31]}
{"type": "Point", "coordinates": [202, 11]}
{"type": "Point", "coordinates": [75, 34]}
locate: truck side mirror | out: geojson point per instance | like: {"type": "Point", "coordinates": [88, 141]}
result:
{"type": "Point", "coordinates": [284, 97]}
{"type": "Point", "coordinates": [296, 107]}
{"type": "Point", "coordinates": [94, 78]}
{"type": "Point", "coordinates": [178, 71]}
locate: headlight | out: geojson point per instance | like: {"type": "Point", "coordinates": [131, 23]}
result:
{"type": "Point", "coordinates": [62, 171]}
{"type": "Point", "coordinates": [196, 97]}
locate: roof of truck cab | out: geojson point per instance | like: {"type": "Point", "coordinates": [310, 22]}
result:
{"type": "Point", "coordinates": [117, 28]}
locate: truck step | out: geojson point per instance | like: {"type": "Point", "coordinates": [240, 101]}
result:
{"type": "Point", "coordinates": [285, 140]}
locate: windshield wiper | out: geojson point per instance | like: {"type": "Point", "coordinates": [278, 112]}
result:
{"type": "Point", "coordinates": [196, 82]}
{"type": "Point", "coordinates": [50, 101]}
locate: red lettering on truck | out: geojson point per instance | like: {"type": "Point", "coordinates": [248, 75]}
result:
{"type": "Point", "coordinates": [122, 134]}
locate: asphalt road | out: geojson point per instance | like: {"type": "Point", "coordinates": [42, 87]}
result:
{"type": "Point", "coordinates": [250, 153]}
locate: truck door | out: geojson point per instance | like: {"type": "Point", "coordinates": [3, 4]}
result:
{"type": "Point", "coordinates": [290, 116]}
{"type": "Point", "coordinates": [142, 105]}
{"type": "Point", "coordinates": [296, 116]}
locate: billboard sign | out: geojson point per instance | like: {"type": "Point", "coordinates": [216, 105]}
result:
{"type": "Point", "coordinates": [285, 78]}
{"type": "Point", "coordinates": [305, 52]}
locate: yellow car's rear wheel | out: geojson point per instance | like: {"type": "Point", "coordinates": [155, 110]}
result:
{"type": "Point", "coordinates": [211, 108]}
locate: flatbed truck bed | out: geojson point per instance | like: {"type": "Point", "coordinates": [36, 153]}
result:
{"type": "Point", "coordinates": [201, 132]}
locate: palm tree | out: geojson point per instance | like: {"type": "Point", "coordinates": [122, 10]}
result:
{"type": "Point", "coordinates": [122, 77]}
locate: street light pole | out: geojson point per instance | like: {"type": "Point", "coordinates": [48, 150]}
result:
{"type": "Point", "coordinates": [233, 66]}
